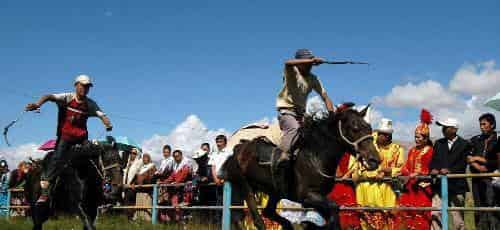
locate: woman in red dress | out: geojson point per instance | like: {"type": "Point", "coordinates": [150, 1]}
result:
{"type": "Point", "coordinates": [418, 192]}
{"type": "Point", "coordinates": [343, 193]}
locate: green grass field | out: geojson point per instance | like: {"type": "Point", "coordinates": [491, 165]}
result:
{"type": "Point", "coordinates": [107, 223]}
{"type": "Point", "coordinates": [121, 223]}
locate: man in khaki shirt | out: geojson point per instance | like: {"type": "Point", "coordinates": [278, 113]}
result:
{"type": "Point", "coordinates": [299, 82]}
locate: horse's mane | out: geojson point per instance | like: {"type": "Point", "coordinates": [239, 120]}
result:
{"type": "Point", "coordinates": [321, 130]}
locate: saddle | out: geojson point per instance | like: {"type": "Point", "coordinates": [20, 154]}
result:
{"type": "Point", "coordinates": [270, 134]}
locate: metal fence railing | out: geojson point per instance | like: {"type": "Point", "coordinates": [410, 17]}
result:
{"type": "Point", "coordinates": [227, 207]}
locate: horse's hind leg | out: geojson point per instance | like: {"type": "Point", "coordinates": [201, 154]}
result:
{"type": "Point", "coordinates": [270, 212]}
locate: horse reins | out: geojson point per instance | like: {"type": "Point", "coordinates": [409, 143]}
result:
{"type": "Point", "coordinates": [354, 144]}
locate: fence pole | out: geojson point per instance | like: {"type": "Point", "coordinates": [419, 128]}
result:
{"type": "Point", "coordinates": [226, 211]}
{"type": "Point", "coordinates": [154, 208]}
{"type": "Point", "coordinates": [444, 202]}
{"type": "Point", "coordinates": [8, 202]}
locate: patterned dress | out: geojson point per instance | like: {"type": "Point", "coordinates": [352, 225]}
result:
{"type": "Point", "coordinates": [418, 193]}
{"type": "Point", "coordinates": [371, 193]}
{"type": "Point", "coordinates": [343, 194]}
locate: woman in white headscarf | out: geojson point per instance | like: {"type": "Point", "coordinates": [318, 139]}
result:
{"type": "Point", "coordinates": [146, 172]}
{"type": "Point", "coordinates": [134, 164]}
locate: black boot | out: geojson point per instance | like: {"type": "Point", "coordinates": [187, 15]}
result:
{"type": "Point", "coordinates": [280, 169]}
{"type": "Point", "coordinates": [283, 160]}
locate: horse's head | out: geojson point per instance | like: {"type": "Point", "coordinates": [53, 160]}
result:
{"type": "Point", "coordinates": [110, 167]}
{"type": "Point", "coordinates": [356, 134]}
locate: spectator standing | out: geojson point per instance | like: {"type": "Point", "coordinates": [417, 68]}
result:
{"type": "Point", "coordinates": [166, 165]}
{"type": "Point", "coordinates": [483, 159]}
{"type": "Point", "coordinates": [4, 187]}
{"type": "Point", "coordinates": [203, 173]}
{"type": "Point", "coordinates": [134, 164]}
{"type": "Point", "coordinates": [182, 173]}
{"type": "Point", "coordinates": [417, 192]}
{"type": "Point", "coordinates": [343, 193]}
{"type": "Point", "coordinates": [217, 159]}
{"type": "Point", "coordinates": [370, 191]}
{"type": "Point", "coordinates": [17, 181]}
{"type": "Point", "coordinates": [449, 156]}
{"type": "Point", "coordinates": [146, 172]}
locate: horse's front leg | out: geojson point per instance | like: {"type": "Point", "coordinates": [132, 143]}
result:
{"type": "Point", "coordinates": [326, 208]}
{"type": "Point", "coordinates": [243, 191]}
{"type": "Point", "coordinates": [270, 212]}
{"type": "Point", "coordinates": [81, 207]}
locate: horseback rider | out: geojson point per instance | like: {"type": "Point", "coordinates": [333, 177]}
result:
{"type": "Point", "coordinates": [74, 110]}
{"type": "Point", "coordinates": [291, 102]}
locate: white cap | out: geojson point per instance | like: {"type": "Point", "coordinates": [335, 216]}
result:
{"type": "Point", "coordinates": [448, 122]}
{"type": "Point", "coordinates": [385, 126]}
{"type": "Point", "coordinates": [84, 80]}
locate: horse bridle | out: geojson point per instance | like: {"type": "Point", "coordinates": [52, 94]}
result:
{"type": "Point", "coordinates": [354, 144]}
{"type": "Point", "coordinates": [103, 168]}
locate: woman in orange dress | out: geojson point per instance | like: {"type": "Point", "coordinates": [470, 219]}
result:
{"type": "Point", "coordinates": [418, 192]}
{"type": "Point", "coordinates": [343, 193]}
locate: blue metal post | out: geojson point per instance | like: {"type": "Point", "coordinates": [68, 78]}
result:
{"type": "Point", "coordinates": [8, 202]}
{"type": "Point", "coordinates": [444, 202]}
{"type": "Point", "coordinates": [154, 209]}
{"type": "Point", "coordinates": [226, 211]}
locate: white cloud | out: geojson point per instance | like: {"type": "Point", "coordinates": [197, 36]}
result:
{"type": "Point", "coordinates": [480, 79]}
{"type": "Point", "coordinates": [316, 107]}
{"type": "Point", "coordinates": [429, 94]}
{"type": "Point", "coordinates": [474, 83]}
{"type": "Point", "coordinates": [187, 136]}
{"type": "Point", "coordinates": [15, 154]}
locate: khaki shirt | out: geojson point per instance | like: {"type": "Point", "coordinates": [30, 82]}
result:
{"type": "Point", "coordinates": [296, 89]}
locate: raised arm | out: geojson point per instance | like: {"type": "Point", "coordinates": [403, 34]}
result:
{"type": "Point", "coordinates": [314, 61]}
{"type": "Point", "coordinates": [328, 102]}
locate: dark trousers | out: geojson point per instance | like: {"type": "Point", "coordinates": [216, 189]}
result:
{"type": "Point", "coordinates": [484, 196]}
{"type": "Point", "coordinates": [59, 159]}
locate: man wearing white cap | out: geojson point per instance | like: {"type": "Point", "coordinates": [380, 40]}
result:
{"type": "Point", "coordinates": [74, 110]}
{"type": "Point", "coordinates": [450, 156]}
{"type": "Point", "coordinates": [374, 193]}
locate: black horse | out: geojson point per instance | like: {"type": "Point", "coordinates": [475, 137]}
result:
{"type": "Point", "coordinates": [79, 189]}
{"type": "Point", "coordinates": [311, 177]}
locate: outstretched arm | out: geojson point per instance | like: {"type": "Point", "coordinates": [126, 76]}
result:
{"type": "Point", "coordinates": [315, 60]}
{"type": "Point", "coordinates": [40, 102]}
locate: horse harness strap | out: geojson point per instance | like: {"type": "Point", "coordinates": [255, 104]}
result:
{"type": "Point", "coordinates": [355, 143]}
{"type": "Point", "coordinates": [97, 169]}
{"type": "Point", "coordinates": [111, 166]}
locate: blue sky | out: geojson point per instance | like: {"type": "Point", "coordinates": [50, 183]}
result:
{"type": "Point", "coordinates": [160, 61]}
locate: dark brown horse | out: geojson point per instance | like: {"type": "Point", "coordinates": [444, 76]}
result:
{"type": "Point", "coordinates": [79, 190]}
{"type": "Point", "coordinates": [311, 176]}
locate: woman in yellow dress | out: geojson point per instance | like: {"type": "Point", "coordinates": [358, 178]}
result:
{"type": "Point", "coordinates": [370, 191]}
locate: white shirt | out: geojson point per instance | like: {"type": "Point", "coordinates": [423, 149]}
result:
{"type": "Point", "coordinates": [451, 142]}
{"type": "Point", "coordinates": [218, 157]}
{"type": "Point", "coordinates": [166, 164]}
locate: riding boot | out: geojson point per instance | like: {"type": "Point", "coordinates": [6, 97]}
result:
{"type": "Point", "coordinates": [280, 170]}
{"type": "Point", "coordinates": [283, 160]}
